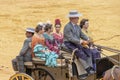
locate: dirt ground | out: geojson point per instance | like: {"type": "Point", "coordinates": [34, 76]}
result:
{"type": "Point", "coordinates": [17, 15]}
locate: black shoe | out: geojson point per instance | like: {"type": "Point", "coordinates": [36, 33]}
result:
{"type": "Point", "coordinates": [83, 76]}
{"type": "Point", "coordinates": [90, 70]}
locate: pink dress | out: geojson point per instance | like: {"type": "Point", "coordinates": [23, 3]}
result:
{"type": "Point", "coordinates": [58, 38]}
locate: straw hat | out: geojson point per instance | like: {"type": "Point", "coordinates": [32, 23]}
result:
{"type": "Point", "coordinates": [74, 13]}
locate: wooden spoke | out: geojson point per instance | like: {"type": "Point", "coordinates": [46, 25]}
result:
{"type": "Point", "coordinates": [20, 76]}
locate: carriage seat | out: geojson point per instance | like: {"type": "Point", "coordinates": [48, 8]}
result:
{"type": "Point", "coordinates": [34, 61]}
{"type": "Point", "coordinates": [64, 48]}
{"type": "Point", "coordinates": [65, 52]}
{"type": "Point", "coordinates": [37, 60]}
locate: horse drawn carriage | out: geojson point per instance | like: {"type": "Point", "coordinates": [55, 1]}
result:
{"type": "Point", "coordinates": [68, 67]}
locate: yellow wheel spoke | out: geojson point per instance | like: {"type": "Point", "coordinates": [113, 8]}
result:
{"type": "Point", "coordinates": [16, 77]}
{"type": "Point", "coordinates": [22, 76]}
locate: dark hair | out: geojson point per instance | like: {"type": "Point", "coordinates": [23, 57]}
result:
{"type": "Point", "coordinates": [32, 34]}
{"type": "Point", "coordinates": [38, 28]}
{"type": "Point", "coordinates": [82, 22]}
{"type": "Point", "coordinates": [47, 27]}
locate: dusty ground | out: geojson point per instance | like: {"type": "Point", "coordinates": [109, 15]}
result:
{"type": "Point", "coordinates": [16, 15]}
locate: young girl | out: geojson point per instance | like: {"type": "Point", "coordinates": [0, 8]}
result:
{"type": "Point", "coordinates": [58, 36]}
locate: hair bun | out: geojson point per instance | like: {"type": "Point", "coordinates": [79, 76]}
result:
{"type": "Point", "coordinates": [57, 22]}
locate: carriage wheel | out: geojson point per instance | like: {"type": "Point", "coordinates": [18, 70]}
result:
{"type": "Point", "coordinates": [21, 76]}
{"type": "Point", "coordinates": [42, 74]}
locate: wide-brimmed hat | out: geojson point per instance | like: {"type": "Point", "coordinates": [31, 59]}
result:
{"type": "Point", "coordinates": [32, 30]}
{"type": "Point", "coordinates": [74, 13]}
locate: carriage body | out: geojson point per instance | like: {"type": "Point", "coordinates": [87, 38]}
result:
{"type": "Point", "coordinates": [62, 72]}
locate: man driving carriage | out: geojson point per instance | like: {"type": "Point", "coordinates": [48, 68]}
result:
{"type": "Point", "coordinates": [72, 35]}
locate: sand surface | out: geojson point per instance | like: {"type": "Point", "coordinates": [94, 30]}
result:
{"type": "Point", "coordinates": [16, 15]}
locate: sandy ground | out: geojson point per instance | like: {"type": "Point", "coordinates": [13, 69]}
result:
{"type": "Point", "coordinates": [16, 15]}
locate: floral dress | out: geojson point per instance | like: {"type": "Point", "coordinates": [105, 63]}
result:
{"type": "Point", "coordinates": [51, 43]}
{"type": "Point", "coordinates": [40, 50]}
{"type": "Point", "coordinates": [58, 38]}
